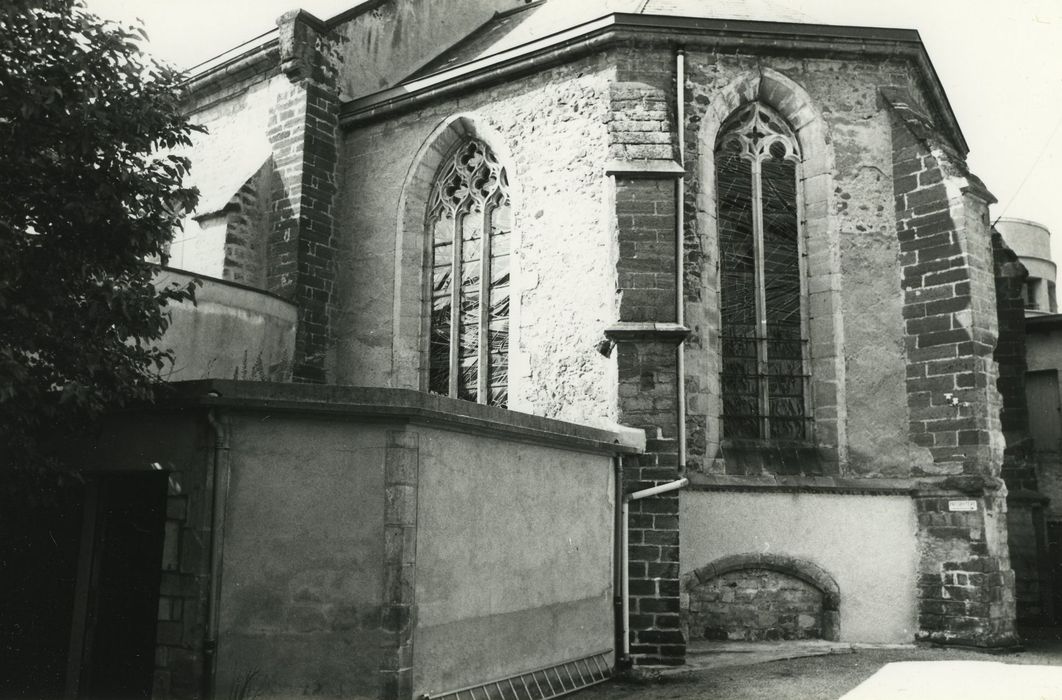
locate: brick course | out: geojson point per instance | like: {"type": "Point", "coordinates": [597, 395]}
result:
{"type": "Point", "coordinates": [302, 238]}
{"type": "Point", "coordinates": [303, 130]}
{"type": "Point", "coordinates": [645, 210]}
{"type": "Point", "coordinates": [647, 398]}
{"type": "Point", "coordinates": [966, 587]}
{"type": "Point", "coordinates": [949, 362]}
{"type": "Point", "coordinates": [969, 600]}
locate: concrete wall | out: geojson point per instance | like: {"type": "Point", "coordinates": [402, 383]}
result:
{"type": "Point", "coordinates": [1032, 242]}
{"type": "Point", "coordinates": [231, 332]}
{"type": "Point", "coordinates": [866, 543]}
{"type": "Point", "coordinates": [301, 583]}
{"type": "Point", "coordinates": [514, 559]}
{"type": "Point", "coordinates": [1026, 238]}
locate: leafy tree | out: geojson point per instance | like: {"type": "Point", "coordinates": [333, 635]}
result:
{"type": "Point", "coordinates": [90, 193]}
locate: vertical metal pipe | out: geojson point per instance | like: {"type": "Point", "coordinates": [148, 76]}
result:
{"type": "Point", "coordinates": [218, 489]}
{"type": "Point", "coordinates": [680, 255]}
{"type": "Point", "coordinates": [82, 587]}
{"type": "Point", "coordinates": [625, 572]}
{"type": "Point", "coordinates": [620, 555]}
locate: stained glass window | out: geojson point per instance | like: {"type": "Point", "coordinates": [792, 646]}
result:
{"type": "Point", "coordinates": [764, 378]}
{"type": "Point", "coordinates": [470, 224]}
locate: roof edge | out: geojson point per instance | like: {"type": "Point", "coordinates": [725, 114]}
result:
{"type": "Point", "coordinates": [376, 403]}
{"type": "Point", "coordinates": [253, 62]}
{"type": "Point", "coordinates": [671, 30]}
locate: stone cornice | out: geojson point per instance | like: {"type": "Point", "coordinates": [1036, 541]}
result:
{"type": "Point", "coordinates": [802, 484]}
{"type": "Point", "coordinates": [649, 169]}
{"type": "Point", "coordinates": [731, 36]}
{"type": "Point", "coordinates": [398, 405]}
{"type": "Point", "coordinates": [230, 68]}
{"type": "Point", "coordinates": [628, 331]}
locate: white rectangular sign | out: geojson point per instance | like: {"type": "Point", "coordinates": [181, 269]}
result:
{"type": "Point", "coordinates": [963, 506]}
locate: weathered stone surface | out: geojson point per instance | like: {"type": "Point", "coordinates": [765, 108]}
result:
{"type": "Point", "coordinates": [755, 605]}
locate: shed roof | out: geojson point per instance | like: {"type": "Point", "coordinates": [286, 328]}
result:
{"type": "Point", "coordinates": [541, 19]}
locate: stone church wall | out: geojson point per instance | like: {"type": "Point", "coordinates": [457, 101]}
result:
{"type": "Point", "coordinates": [854, 301]}
{"type": "Point", "coordinates": [550, 132]}
{"type": "Point", "coordinates": [899, 298]}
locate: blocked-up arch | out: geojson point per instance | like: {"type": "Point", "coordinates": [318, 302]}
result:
{"type": "Point", "coordinates": [800, 569]}
{"type": "Point", "coordinates": [411, 319]}
{"type": "Point", "coordinates": [822, 247]}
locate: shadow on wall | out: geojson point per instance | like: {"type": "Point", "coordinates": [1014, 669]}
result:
{"type": "Point", "coordinates": [760, 597]}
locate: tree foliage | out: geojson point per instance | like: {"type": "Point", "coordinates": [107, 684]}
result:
{"type": "Point", "coordinates": [89, 194]}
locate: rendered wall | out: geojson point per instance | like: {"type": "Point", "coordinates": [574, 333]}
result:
{"type": "Point", "coordinates": [234, 148]}
{"type": "Point", "coordinates": [301, 583]}
{"type": "Point", "coordinates": [866, 543]}
{"type": "Point", "coordinates": [514, 559]}
{"type": "Point", "coordinates": [231, 332]}
{"type": "Point", "coordinates": [1044, 348]}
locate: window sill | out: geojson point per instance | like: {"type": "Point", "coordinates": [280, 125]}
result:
{"type": "Point", "coordinates": [776, 457]}
{"type": "Point", "coordinates": [801, 484]}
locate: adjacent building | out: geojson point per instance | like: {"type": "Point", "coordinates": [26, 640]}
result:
{"type": "Point", "coordinates": [1032, 242]}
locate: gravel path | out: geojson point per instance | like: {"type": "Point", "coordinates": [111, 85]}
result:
{"type": "Point", "coordinates": [809, 678]}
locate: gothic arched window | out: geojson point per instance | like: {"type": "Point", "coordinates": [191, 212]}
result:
{"type": "Point", "coordinates": [469, 336]}
{"type": "Point", "coordinates": [764, 379]}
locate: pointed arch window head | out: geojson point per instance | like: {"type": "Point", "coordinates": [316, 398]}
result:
{"type": "Point", "coordinates": [469, 223]}
{"type": "Point", "coordinates": [764, 380]}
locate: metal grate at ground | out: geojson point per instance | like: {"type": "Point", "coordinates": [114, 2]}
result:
{"type": "Point", "coordinates": [540, 684]}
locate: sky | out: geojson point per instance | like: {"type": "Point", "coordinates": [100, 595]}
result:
{"type": "Point", "coordinates": [1000, 62]}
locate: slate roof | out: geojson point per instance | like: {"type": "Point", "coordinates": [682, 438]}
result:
{"type": "Point", "coordinates": [546, 17]}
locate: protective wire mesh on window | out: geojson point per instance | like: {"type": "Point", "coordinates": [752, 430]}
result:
{"type": "Point", "coordinates": [470, 223]}
{"type": "Point", "coordinates": [764, 378]}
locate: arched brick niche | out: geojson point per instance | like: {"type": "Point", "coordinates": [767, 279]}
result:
{"type": "Point", "coordinates": [760, 597]}
{"type": "Point", "coordinates": [411, 318]}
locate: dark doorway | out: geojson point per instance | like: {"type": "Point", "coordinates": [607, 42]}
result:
{"type": "Point", "coordinates": [117, 604]}
{"type": "Point", "coordinates": [40, 531]}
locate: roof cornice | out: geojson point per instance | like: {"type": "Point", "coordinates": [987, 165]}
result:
{"type": "Point", "coordinates": [257, 56]}
{"type": "Point", "coordinates": [718, 35]}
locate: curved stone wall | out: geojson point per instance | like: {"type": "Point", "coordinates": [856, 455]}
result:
{"type": "Point", "coordinates": [231, 332]}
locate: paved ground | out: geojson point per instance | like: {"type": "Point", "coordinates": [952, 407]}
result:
{"type": "Point", "coordinates": [833, 671]}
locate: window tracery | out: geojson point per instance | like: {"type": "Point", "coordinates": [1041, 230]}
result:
{"type": "Point", "coordinates": [470, 224]}
{"type": "Point", "coordinates": [764, 378]}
